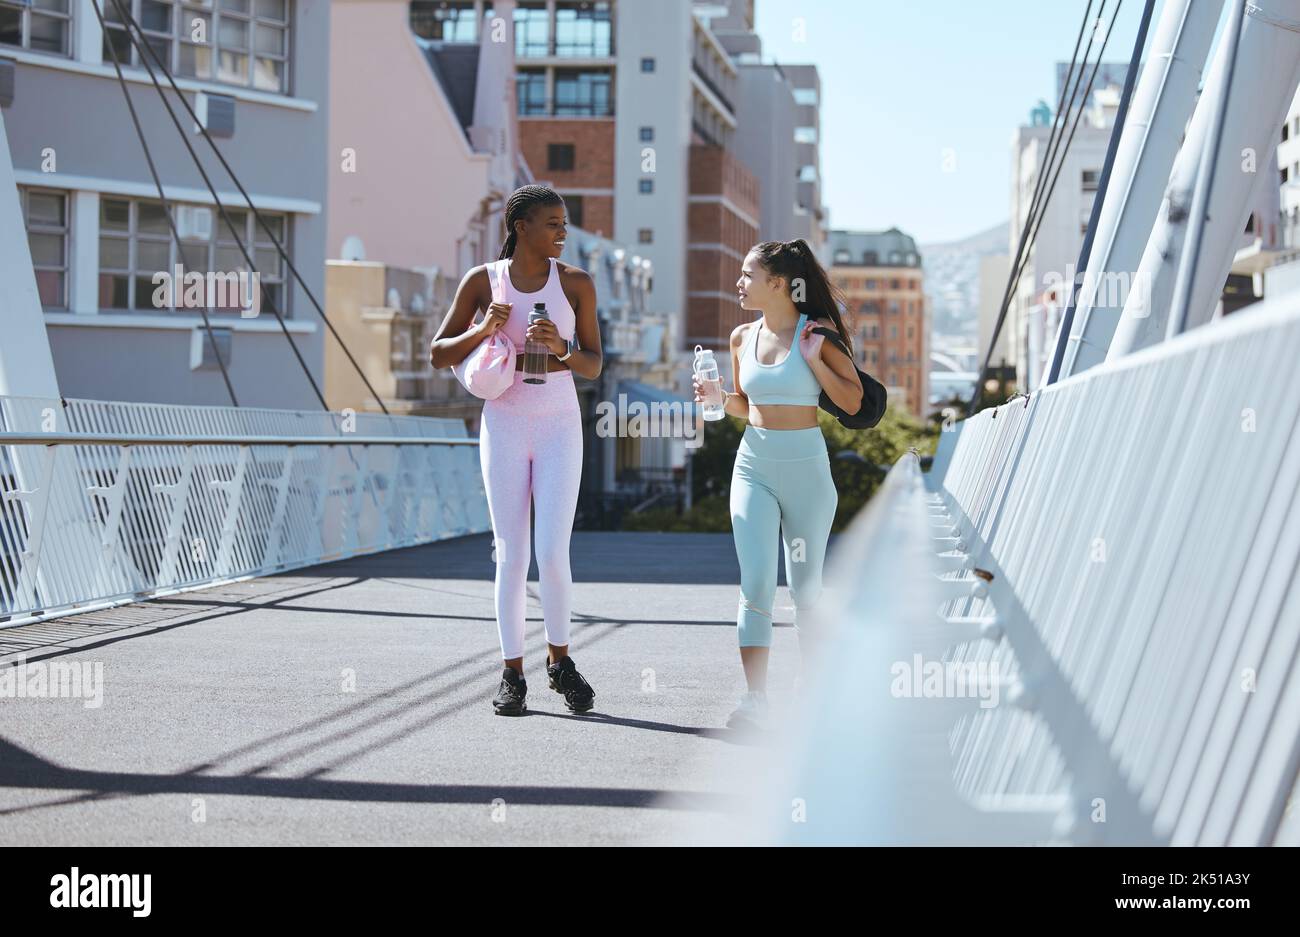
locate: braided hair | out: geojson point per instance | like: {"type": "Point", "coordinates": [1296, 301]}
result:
{"type": "Point", "coordinates": [796, 262]}
{"type": "Point", "coordinates": [519, 207]}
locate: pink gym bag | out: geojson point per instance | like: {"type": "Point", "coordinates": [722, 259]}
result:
{"type": "Point", "coordinates": [489, 369]}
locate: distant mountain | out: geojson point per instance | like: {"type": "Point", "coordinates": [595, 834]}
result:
{"type": "Point", "coordinates": [952, 282]}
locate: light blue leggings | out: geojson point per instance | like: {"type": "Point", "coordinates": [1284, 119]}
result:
{"type": "Point", "coordinates": [781, 482]}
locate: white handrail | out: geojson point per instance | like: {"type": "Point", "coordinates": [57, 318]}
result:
{"type": "Point", "coordinates": [103, 503]}
{"type": "Point", "coordinates": [1113, 562]}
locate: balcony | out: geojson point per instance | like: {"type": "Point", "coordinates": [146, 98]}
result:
{"type": "Point", "coordinates": [713, 86]}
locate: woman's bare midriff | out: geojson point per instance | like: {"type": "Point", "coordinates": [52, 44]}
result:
{"type": "Point", "coordinates": [552, 364]}
{"type": "Point", "coordinates": [782, 416]}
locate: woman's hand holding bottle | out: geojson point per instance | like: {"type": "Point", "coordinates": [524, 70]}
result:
{"type": "Point", "coordinates": [545, 332]}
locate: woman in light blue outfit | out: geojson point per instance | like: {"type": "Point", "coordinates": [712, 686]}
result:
{"type": "Point", "coordinates": [782, 477]}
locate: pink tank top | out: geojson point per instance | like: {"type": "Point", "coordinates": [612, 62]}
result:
{"type": "Point", "coordinates": [552, 294]}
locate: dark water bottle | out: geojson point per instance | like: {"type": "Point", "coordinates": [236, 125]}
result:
{"type": "Point", "coordinates": [535, 353]}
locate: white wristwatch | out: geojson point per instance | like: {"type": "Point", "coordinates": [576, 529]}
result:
{"type": "Point", "coordinates": [565, 356]}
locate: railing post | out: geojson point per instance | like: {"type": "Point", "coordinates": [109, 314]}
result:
{"type": "Point", "coordinates": [234, 491]}
{"type": "Point", "coordinates": [271, 557]}
{"type": "Point", "coordinates": [35, 501]}
{"type": "Point", "coordinates": [115, 497]}
{"type": "Point", "coordinates": [179, 495]}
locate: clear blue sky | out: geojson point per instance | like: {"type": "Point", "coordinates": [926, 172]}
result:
{"type": "Point", "coordinates": [903, 80]}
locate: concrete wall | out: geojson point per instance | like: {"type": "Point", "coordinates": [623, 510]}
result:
{"type": "Point", "coordinates": [993, 272]}
{"type": "Point", "coordinates": [417, 183]}
{"type": "Point", "coordinates": [765, 122]}
{"type": "Point", "coordinates": [660, 99]}
{"type": "Point", "coordinates": [1060, 235]}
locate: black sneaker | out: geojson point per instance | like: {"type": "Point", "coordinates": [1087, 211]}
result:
{"type": "Point", "coordinates": [565, 679]}
{"type": "Point", "coordinates": [509, 700]}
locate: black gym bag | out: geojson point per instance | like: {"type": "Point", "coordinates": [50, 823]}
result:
{"type": "Point", "coordinates": [873, 392]}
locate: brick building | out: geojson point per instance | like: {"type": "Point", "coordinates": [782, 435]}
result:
{"type": "Point", "coordinates": [880, 274]}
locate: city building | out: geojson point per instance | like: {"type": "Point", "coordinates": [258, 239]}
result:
{"type": "Point", "coordinates": [1284, 274]}
{"type": "Point", "coordinates": [422, 185]}
{"type": "Point", "coordinates": [881, 276]}
{"type": "Point", "coordinates": [1288, 164]}
{"type": "Point", "coordinates": [993, 272]}
{"type": "Point", "coordinates": [1037, 302]}
{"type": "Point", "coordinates": [422, 202]}
{"type": "Point", "coordinates": [627, 110]}
{"type": "Point", "coordinates": [778, 133]}
{"type": "Point", "coordinates": [416, 194]}
{"type": "Point", "coordinates": [99, 234]}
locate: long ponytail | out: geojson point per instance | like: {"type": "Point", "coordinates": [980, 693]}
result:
{"type": "Point", "coordinates": [519, 207]}
{"type": "Point", "coordinates": [810, 288]}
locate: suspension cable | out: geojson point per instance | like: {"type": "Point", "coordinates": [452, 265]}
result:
{"type": "Point", "coordinates": [171, 222]}
{"type": "Point", "coordinates": [257, 215]}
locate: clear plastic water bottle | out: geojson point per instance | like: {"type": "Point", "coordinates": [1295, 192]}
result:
{"type": "Point", "coordinates": [706, 369]}
{"type": "Point", "coordinates": [535, 353]}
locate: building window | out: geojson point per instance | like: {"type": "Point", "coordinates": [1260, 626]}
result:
{"type": "Point", "coordinates": [647, 135]}
{"type": "Point", "coordinates": [559, 156]}
{"type": "Point", "coordinates": [1089, 181]}
{"type": "Point", "coordinates": [870, 259]}
{"type": "Point", "coordinates": [805, 134]}
{"type": "Point", "coordinates": [808, 173]}
{"type": "Point", "coordinates": [645, 236]}
{"type": "Point", "coordinates": [1284, 173]}
{"type": "Point", "coordinates": [444, 21]}
{"type": "Point", "coordinates": [582, 30]}
{"type": "Point", "coordinates": [582, 93]}
{"type": "Point", "coordinates": [530, 92]}
{"type": "Point", "coordinates": [871, 284]}
{"type": "Point", "coordinates": [135, 243]}
{"type": "Point", "coordinates": [532, 31]}
{"type": "Point", "coordinates": [647, 65]}
{"type": "Point", "coordinates": [41, 26]}
{"type": "Point", "coordinates": [247, 41]}
{"type": "Point", "coordinates": [1286, 132]}
{"type": "Point", "coordinates": [646, 186]}
{"type": "Point", "coordinates": [45, 215]}
{"type": "Point", "coordinates": [911, 333]}
{"type": "Point", "coordinates": [573, 206]}
{"type": "Point", "coordinates": [805, 97]}
{"type": "Point", "coordinates": [895, 285]}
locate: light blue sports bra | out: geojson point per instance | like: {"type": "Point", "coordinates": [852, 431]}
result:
{"type": "Point", "coordinates": [789, 381]}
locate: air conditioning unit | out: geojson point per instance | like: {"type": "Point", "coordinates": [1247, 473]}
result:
{"type": "Point", "coordinates": [215, 113]}
{"type": "Point", "coordinates": [201, 353]}
{"type": "Point", "coordinates": [194, 222]}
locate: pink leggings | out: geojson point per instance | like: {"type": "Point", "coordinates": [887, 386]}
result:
{"type": "Point", "coordinates": [530, 449]}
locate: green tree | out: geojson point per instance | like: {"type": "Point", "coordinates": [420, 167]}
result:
{"type": "Point", "coordinates": [859, 461]}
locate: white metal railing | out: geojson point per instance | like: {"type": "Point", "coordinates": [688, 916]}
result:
{"type": "Point", "coordinates": [1114, 562]}
{"type": "Point", "coordinates": [105, 502]}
